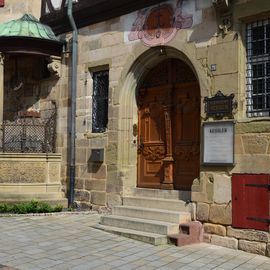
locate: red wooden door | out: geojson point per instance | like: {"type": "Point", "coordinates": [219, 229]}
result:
{"type": "Point", "coordinates": [2, 3]}
{"type": "Point", "coordinates": [250, 201]}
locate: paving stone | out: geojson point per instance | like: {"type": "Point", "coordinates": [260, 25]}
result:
{"type": "Point", "coordinates": [103, 267]}
{"type": "Point", "coordinates": [228, 265]}
{"type": "Point", "coordinates": [29, 266]}
{"type": "Point", "coordinates": [68, 242]}
{"type": "Point", "coordinates": [3, 267]}
{"type": "Point", "coordinates": [197, 265]}
{"type": "Point", "coordinates": [158, 263]}
{"type": "Point", "coordinates": [146, 267]}
{"type": "Point", "coordinates": [126, 267]}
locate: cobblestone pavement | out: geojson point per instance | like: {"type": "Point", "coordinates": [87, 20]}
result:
{"type": "Point", "coordinates": [69, 242]}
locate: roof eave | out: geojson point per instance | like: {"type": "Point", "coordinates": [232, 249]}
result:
{"type": "Point", "coordinates": [29, 45]}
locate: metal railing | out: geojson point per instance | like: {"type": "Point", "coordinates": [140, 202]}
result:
{"type": "Point", "coordinates": [29, 134]}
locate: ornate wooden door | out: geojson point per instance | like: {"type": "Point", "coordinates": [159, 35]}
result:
{"type": "Point", "coordinates": [169, 129]}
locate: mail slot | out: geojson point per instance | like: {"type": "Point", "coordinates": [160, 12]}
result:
{"type": "Point", "coordinates": [97, 155]}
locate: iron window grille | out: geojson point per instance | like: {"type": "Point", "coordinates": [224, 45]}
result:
{"type": "Point", "coordinates": [100, 101]}
{"type": "Point", "coordinates": [258, 68]}
{"type": "Point", "coordinates": [29, 134]}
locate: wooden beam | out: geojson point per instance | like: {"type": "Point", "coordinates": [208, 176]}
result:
{"type": "Point", "coordinates": [91, 12]}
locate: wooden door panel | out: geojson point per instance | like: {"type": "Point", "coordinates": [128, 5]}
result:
{"type": "Point", "coordinates": [153, 172]}
{"type": "Point", "coordinates": [186, 134]}
{"type": "Point", "coordinates": [152, 128]}
{"type": "Point", "coordinates": [153, 167]}
{"type": "Point", "coordinates": [151, 138]}
{"type": "Point", "coordinates": [186, 167]}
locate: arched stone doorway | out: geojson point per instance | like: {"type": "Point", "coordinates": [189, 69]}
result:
{"type": "Point", "coordinates": [168, 127]}
{"type": "Point", "coordinates": [133, 76]}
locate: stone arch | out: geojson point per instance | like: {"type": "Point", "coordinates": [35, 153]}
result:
{"type": "Point", "coordinates": [132, 76]}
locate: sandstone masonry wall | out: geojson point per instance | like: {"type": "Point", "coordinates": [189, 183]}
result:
{"type": "Point", "coordinates": [15, 9]}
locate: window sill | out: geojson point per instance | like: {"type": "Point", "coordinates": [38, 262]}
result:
{"type": "Point", "coordinates": [90, 135]}
{"type": "Point", "coordinates": [254, 119]}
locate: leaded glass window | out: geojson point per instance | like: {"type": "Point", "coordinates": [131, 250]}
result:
{"type": "Point", "coordinates": [100, 101]}
{"type": "Point", "coordinates": [258, 68]}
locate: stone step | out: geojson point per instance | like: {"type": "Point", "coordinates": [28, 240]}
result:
{"type": "Point", "coordinates": [189, 233]}
{"type": "Point", "coordinates": [152, 226]}
{"type": "Point", "coordinates": [162, 193]}
{"type": "Point", "coordinates": [151, 238]}
{"type": "Point", "coordinates": [166, 204]}
{"type": "Point", "coordinates": [152, 214]}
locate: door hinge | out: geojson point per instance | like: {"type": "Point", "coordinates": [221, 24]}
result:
{"type": "Point", "coordinates": [264, 220]}
{"type": "Point", "coordinates": [259, 185]}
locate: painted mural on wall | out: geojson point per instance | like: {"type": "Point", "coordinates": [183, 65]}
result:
{"type": "Point", "coordinates": [159, 25]}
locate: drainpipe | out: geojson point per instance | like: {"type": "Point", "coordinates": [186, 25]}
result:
{"type": "Point", "coordinates": [1, 88]}
{"type": "Point", "coordinates": [72, 130]}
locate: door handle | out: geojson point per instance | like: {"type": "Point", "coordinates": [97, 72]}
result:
{"type": "Point", "coordinates": [141, 144]}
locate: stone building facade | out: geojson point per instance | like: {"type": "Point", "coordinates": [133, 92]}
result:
{"type": "Point", "coordinates": [217, 46]}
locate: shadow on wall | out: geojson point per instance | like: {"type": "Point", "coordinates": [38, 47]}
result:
{"type": "Point", "coordinates": [95, 160]}
{"type": "Point", "coordinates": [26, 86]}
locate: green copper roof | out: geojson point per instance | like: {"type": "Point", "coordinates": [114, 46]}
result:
{"type": "Point", "coordinates": [27, 26]}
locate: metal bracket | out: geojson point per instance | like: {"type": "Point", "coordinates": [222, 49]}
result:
{"type": "Point", "coordinates": [97, 155]}
{"type": "Point", "coordinates": [263, 220]}
{"type": "Point", "coordinates": [259, 185]}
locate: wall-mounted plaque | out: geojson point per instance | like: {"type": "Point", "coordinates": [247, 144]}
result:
{"type": "Point", "coordinates": [218, 143]}
{"type": "Point", "coordinates": [219, 105]}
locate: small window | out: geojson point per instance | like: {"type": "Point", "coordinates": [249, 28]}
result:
{"type": "Point", "coordinates": [258, 68]}
{"type": "Point", "coordinates": [100, 101]}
